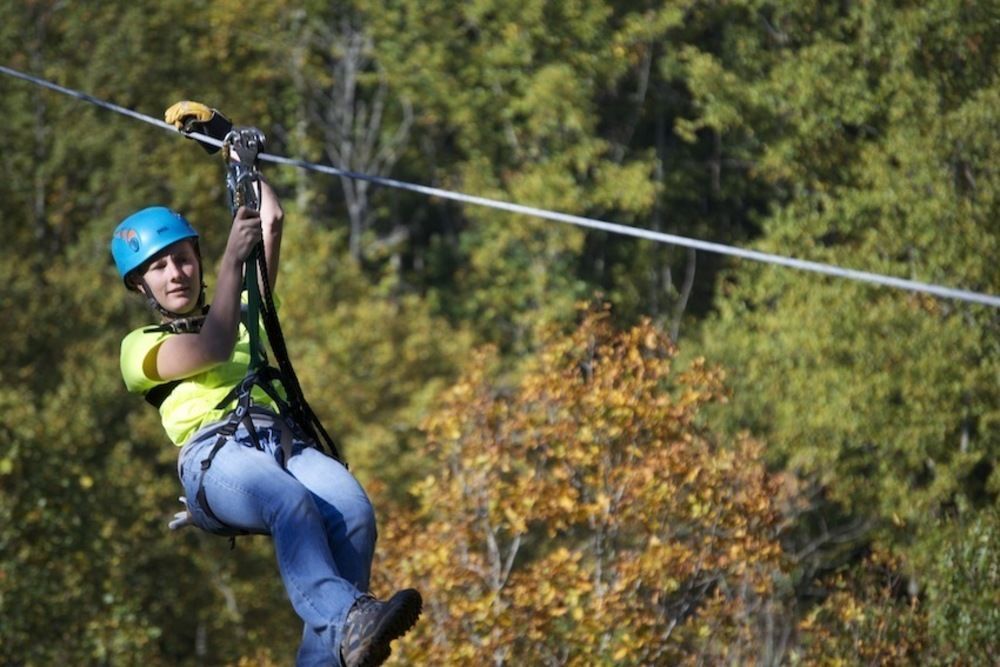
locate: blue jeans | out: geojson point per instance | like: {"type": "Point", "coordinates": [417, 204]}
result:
{"type": "Point", "coordinates": [320, 519]}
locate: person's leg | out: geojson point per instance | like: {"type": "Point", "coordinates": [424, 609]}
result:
{"type": "Point", "coordinates": [315, 651]}
{"type": "Point", "coordinates": [372, 624]}
{"type": "Point", "coordinates": [347, 512]}
{"type": "Point", "coordinates": [349, 522]}
{"type": "Point", "coordinates": [247, 488]}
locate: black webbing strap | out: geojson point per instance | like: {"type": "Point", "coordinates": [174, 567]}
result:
{"type": "Point", "coordinates": [240, 415]}
{"type": "Point", "coordinates": [243, 181]}
{"type": "Point", "coordinates": [253, 307]}
{"type": "Point", "coordinates": [202, 497]}
{"type": "Point", "coordinates": [299, 411]}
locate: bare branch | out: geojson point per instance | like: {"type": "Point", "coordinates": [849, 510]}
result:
{"type": "Point", "coordinates": [682, 300]}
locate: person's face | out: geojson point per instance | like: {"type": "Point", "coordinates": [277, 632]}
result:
{"type": "Point", "coordinates": [174, 277]}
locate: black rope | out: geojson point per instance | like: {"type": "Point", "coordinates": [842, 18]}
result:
{"type": "Point", "coordinates": [302, 413]}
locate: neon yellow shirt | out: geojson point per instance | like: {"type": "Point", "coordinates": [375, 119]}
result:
{"type": "Point", "coordinates": [192, 404]}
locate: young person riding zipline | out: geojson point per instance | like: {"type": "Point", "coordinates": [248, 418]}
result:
{"type": "Point", "coordinates": [244, 466]}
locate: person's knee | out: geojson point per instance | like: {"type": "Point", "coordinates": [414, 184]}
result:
{"type": "Point", "coordinates": [366, 516]}
{"type": "Point", "coordinates": [294, 504]}
{"type": "Point", "coordinates": [361, 519]}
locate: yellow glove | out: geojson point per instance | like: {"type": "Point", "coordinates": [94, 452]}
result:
{"type": "Point", "coordinates": [188, 116]}
{"type": "Point", "coordinates": [180, 114]}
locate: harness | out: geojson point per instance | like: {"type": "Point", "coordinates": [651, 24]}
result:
{"type": "Point", "coordinates": [243, 414]}
{"type": "Point", "coordinates": [296, 417]}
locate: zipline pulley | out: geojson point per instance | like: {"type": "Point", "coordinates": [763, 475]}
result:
{"type": "Point", "coordinates": [240, 149]}
{"type": "Point", "coordinates": [242, 173]}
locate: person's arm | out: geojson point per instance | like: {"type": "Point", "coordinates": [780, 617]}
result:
{"type": "Point", "coordinates": [272, 222]}
{"type": "Point", "coordinates": [187, 354]}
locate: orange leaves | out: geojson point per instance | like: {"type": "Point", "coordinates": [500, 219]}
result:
{"type": "Point", "coordinates": [580, 501]}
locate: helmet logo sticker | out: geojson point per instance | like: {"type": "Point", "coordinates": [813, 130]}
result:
{"type": "Point", "coordinates": [130, 237]}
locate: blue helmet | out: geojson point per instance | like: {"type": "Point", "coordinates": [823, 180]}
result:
{"type": "Point", "coordinates": [144, 233]}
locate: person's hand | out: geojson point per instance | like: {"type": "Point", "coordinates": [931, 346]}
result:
{"type": "Point", "coordinates": [245, 234]}
{"type": "Point", "coordinates": [182, 519]}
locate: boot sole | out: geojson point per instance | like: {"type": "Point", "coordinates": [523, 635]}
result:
{"type": "Point", "coordinates": [401, 613]}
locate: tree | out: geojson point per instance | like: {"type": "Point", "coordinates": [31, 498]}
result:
{"type": "Point", "coordinates": [867, 617]}
{"type": "Point", "coordinates": [507, 101]}
{"type": "Point", "coordinates": [371, 361]}
{"type": "Point", "coordinates": [86, 476]}
{"type": "Point", "coordinates": [856, 133]}
{"type": "Point", "coordinates": [871, 126]}
{"type": "Point", "coordinates": [583, 514]}
{"type": "Point", "coordinates": [963, 590]}
{"type": "Point", "coordinates": [362, 125]}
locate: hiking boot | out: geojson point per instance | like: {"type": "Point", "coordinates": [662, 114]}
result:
{"type": "Point", "coordinates": [372, 624]}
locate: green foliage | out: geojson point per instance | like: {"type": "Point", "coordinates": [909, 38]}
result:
{"type": "Point", "coordinates": [963, 586]}
{"type": "Point", "coordinates": [888, 398]}
{"type": "Point", "coordinates": [865, 617]}
{"type": "Point", "coordinates": [513, 91]}
{"type": "Point", "coordinates": [876, 145]}
{"type": "Point", "coordinates": [375, 358]}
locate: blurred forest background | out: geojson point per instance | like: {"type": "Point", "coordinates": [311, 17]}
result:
{"type": "Point", "coordinates": [583, 449]}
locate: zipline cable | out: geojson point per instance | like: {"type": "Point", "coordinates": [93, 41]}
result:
{"type": "Point", "coordinates": [579, 221]}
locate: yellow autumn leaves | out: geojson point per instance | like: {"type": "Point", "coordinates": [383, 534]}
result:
{"type": "Point", "coordinates": [580, 517]}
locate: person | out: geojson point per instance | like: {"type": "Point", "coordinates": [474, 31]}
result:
{"type": "Point", "coordinates": [267, 478]}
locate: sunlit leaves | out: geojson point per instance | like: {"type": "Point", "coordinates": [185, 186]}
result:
{"type": "Point", "coordinates": [580, 513]}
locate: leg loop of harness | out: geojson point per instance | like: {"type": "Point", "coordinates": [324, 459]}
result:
{"type": "Point", "coordinates": [225, 435]}
{"type": "Point", "coordinates": [243, 415]}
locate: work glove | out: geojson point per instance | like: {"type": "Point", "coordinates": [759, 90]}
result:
{"type": "Point", "coordinates": [182, 519]}
{"type": "Point", "coordinates": [188, 116]}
